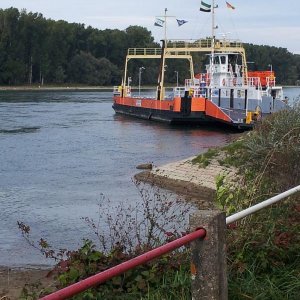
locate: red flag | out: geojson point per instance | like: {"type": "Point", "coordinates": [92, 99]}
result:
{"type": "Point", "coordinates": [229, 5]}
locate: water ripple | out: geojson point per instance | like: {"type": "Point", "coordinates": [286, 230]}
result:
{"type": "Point", "coordinates": [20, 130]}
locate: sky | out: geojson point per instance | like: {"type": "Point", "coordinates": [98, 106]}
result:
{"type": "Point", "coordinates": [262, 22]}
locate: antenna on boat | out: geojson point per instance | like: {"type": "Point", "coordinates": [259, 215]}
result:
{"type": "Point", "coordinates": [163, 23]}
{"type": "Point", "coordinates": [213, 27]}
{"type": "Point", "coordinates": [160, 90]}
{"type": "Point", "coordinates": [166, 26]}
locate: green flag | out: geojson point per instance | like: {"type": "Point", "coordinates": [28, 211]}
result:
{"type": "Point", "coordinates": [205, 7]}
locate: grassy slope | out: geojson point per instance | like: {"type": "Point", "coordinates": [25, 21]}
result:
{"type": "Point", "coordinates": [263, 250]}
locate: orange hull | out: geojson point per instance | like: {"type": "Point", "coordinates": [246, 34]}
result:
{"type": "Point", "coordinates": [179, 110]}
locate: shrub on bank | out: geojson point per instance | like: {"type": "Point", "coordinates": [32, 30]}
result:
{"type": "Point", "coordinates": [133, 230]}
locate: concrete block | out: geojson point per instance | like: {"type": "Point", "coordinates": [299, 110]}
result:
{"type": "Point", "coordinates": [208, 261]}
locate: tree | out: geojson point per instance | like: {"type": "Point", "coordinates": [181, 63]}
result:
{"type": "Point", "coordinates": [35, 50]}
{"type": "Point", "coordinates": [87, 69]}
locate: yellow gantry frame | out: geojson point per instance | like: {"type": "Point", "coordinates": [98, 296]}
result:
{"type": "Point", "coordinates": [182, 50]}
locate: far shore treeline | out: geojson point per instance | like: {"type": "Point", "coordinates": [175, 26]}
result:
{"type": "Point", "coordinates": [36, 50]}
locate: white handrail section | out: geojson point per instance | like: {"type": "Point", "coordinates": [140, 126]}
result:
{"type": "Point", "coordinates": [259, 206]}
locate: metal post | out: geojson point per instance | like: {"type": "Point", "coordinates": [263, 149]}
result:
{"type": "Point", "coordinates": [166, 26]}
{"type": "Point", "coordinates": [271, 67]}
{"type": "Point", "coordinates": [176, 78]}
{"type": "Point", "coordinates": [140, 79]}
{"type": "Point", "coordinates": [208, 263]}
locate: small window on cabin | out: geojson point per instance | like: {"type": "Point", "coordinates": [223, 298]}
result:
{"type": "Point", "coordinates": [216, 60]}
{"type": "Point", "coordinates": [223, 60]}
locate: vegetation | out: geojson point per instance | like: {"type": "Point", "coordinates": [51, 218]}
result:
{"type": "Point", "coordinates": [133, 231]}
{"type": "Point", "coordinates": [203, 160]}
{"type": "Point", "coordinates": [263, 250]}
{"type": "Point", "coordinates": [285, 64]}
{"type": "Point", "coordinates": [34, 49]}
{"type": "Point", "coordinates": [38, 50]}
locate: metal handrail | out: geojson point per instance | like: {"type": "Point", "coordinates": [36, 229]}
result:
{"type": "Point", "coordinates": [261, 205]}
{"type": "Point", "coordinates": [144, 51]}
{"type": "Point", "coordinates": [97, 279]}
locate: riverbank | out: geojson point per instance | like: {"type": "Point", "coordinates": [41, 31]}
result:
{"type": "Point", "coordinates": [54, 88]}
{"type": "Point", "coordinates": [64, 88]}
{"type": "Point", "coordinates": [197, 184]}
{"type": "Point", "coordinates": [12, 281]}
{"type": "Point", "coordinates": [78, 88]}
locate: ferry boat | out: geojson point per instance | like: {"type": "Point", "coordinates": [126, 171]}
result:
{"type": "Point", "coordinates": [226, 93]}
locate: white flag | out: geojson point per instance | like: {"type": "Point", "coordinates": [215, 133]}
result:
{"type": "Point", "coordinates": [159, 22]}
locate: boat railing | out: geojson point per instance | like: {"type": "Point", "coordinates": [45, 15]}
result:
{"type": "Point", "coordinates": [232, 82]}
{"type": "Point", "coordinates": [197, 86]}
{"type": "Point", "coordinates": [117, 91]}
{"type": "Point", "coordinates": [199, 92]}
{"type": "Point", "coordinates": [254, 81]}
{"type": "Point", "coordinates": [204, 43]}
{"type": "Point", "coordinates": [127, 91]}
{"type": "Point", "coordinates": [179, 91]}
{"type": "Point", "coordinates": [200, 81]}
{"type": "Point", "coordinates": [144, 51]}
{"type": "Point", "coordinates": [228, 44]}
{"type": "Point", "coordinates": [183, 47]}
{"type": "Point", "coordinates": [271, 81]}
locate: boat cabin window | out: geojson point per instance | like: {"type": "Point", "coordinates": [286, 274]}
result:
{"type": "Point", "coordinates": [220, 60]}
{"type": "Point", "coordinates": [216, 60]}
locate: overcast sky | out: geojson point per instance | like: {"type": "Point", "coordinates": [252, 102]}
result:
{"type": "Point", "coordinates": [263, 22]}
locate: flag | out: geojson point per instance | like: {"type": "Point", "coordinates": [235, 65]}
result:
{"type": "Point", "coordinates": [205, 7]}
{"type": "Point", "coordinates": [159, 22]}
{"type": "Point", "coordinates": [229, 5]}
{"type": "Point", "coordinates": [181, 22]}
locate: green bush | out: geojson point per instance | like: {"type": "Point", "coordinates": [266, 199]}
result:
{"type": "Point", "coordinates": [263, 249]}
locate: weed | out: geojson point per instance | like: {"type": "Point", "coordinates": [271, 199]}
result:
{"type": "Point", "coordinates": [204, 159]}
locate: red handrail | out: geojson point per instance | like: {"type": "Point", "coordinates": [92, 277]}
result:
{"type": "Point", "coordinates": [97, 279]}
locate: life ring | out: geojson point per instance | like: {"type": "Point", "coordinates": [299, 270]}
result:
{"type": "Point", "coordinates": [223, 82]}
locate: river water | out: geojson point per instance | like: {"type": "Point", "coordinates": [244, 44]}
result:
{"type": "Point", "coordinates": [59, 151]}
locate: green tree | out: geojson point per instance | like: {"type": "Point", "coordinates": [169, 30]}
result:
{"type": "Point", "coordinates": [87, 69]}
{"type": "Point", "coordinates": [35, 49]}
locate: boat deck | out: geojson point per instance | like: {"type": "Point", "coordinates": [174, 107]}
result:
{"type": "Point", "coordinates": [236, 115]}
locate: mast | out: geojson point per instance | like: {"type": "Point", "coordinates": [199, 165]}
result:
{"type": "Point", "coordinates": [166, 27]}
{"type": "Point", "coordinates": [161, 76]}
{"type": "Point", "coordinates": [212, 42]}
{"type": "Point", "coordinates": [213, 24]}
{"type": "Point", "coordinates": [159, 95]}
